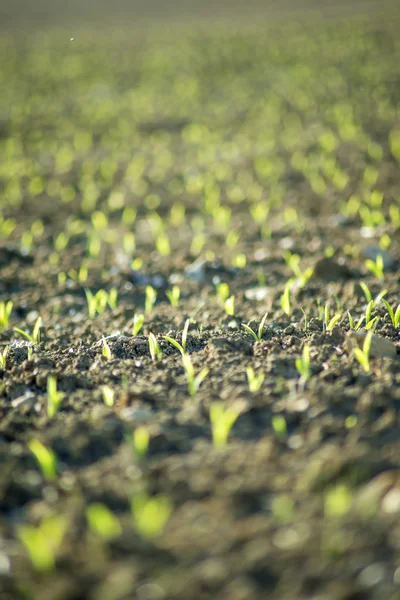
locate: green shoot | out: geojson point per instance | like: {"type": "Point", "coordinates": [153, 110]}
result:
{"type": "Point", "coordinates": [46, 458]}
{"type": "Point", "coordinates": [229, 306]}
{"type": "Point", "coordinates": [150, 514]}
{"type": "Point", "coordinates": [256, 335]}
{"type": "Point", "coordinates": [34, 338]}
{"type": "Point", "coordinates": [394, 315]}
{"type": "Point", "coordinates": [43, 542]}
{"type": "Point", "coordinates": [222, 420]}
{"type": "Point", "coordinates": [141, 440]}
{"type": "Point", "coordinates": [5, 312]}
{"type": "Point", "coordinates": [285, 298]}
{"type": "Point", "coordinates": [303, 363]}
{"type": "Point", "coordinates": [102, 521]}
{"type": "Point", "coordinates": [376, 267]}
{"type": "Point", "coordinates": [106, 351]}
{"type": "Point", "coordinates": [223, 292]}
{"type": "Point", "coordinates": [154, 347]}
{"type": "Point", "coordinates": [54, 397]}
{"type": "Point", "coordinates": [255, 381]}
{"type": "Point", "coordinates": [173, 295]}
{"type": "Point", "coordinates": [338, 501]}
{"type": "Point", "coordinates": [362, 355]}
{"type": "Point", "coordinates": [97, 303]}
{"type": "Point", "coordinates": [329, 323]}
{"type": "Point", "coordinates": [368, 295]}
{"type": "Point", "coordinates": [178, 346]}
{"type": "Point", "coordinates": [194, 381]}
{"type": "Point", "coordinates": [353, 325]}
{"type": "Point", "coordinates": [3, 357]}
{"type": "Point", "coordinates": [138, 320]}
{"type": "Point", "coordinates": [108, 396]}
{"type": "Point", "coordinates": [280, 427]}
{"type": "Point", "coordinates": [151, 297]}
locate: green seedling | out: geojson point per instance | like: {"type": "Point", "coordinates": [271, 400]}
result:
{"type": "Point", "coordinates": [338, 501]}
{"type": "Point", "coordinates": [368, 295]}
{"type": "Point", "coordinates": [3, 357]}
{"type": "Point", "coordinates": [44, 541]}
{"type": "Point", "coordinates": [303, 363]}
{"type": "Point", "coordinates": [108, 396]}
{"type": "Point", "coordinates": [34, 337]}
{"type": "Point", "coordinates": [255, 381]}
{"type": "Point", "coordinates": [79, 276]}
{"type": "Point", "coordinates": [173, 295]}
{"type": "Point", "coordinates": [175, 343]}
{"type": "Point", "coordinates": [140, 440]}
{"type": "Point", "coordinates": [256, 335]}
{"type": "Point", "coordinates": [223, 292]}
{"type": "Point", "coordinates": [370, 323]}
{"type": "Point", "coordinates": [229, 306]}
{"type": "Point", "coordinates": [285, 298]}
{"type": "Point", "coordinates": [376, 267]}
{"type": "Point", "coordinates": [138, 320]}
{"type": "Point", "coordinates": [97, 303]}
{"type": "Point", "coordinates": [150, 300]}
{"type": "Point", "coordinates": [362, 355]}
{"type": "Point", "coordinates": [150, 514]}
{"type": "Point", "coordinates": [193, 381]}
{"type": "Point", "coordinates": [103, 522]}
{"type": "Point", "coordinates": [329, 323]}
{"type": "Point", "coordinates": [354, 325]}
{"type": "Point", "coordinates": [394, 314]}
{"type": "Point", "coordinates": [106, 351]}
{"type": "Point", "coordinates": [5, 312]}
{"type": "Point", "coordinates": [54, 397]}
{"type": "Point", "coordinates": [279, 426]}
{"type": "Point", "coordinates": [46, 458]}
{"type": "Point", "coordinates": [154, 347]}
{"type": "Point", "coordinates": [293, 262]}
{"type": "Point", "coordinates": [222, 420]}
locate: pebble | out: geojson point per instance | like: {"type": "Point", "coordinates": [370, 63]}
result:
{"type": "Point", "coordinates": [257, 293]}
{"type": "Point", "coordinates": [380, 346]}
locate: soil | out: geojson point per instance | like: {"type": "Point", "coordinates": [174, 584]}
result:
{"type": "Point", "coordinates": [178, 119]}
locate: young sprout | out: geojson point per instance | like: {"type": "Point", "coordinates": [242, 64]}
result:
{"type": "Point", "coordinates": [151, 296]}
{"type": "Point", "coordinates": [280, 427]}
{"type": "Point", "coordinates": [97, 303]}
{"type": "Point", "coordinates": [229, 306]}
{"type": "Point", "coordinates": [222, 420]}
{"type": "Point", "coordinates": [370, 323]}
{"type": "Point", "coordinates": [376, 267]}
{"type": "Point", "coordinates": [329, 323]}
{"type": "Point", "coordinates": [140, 439]}
{"type": "Point", "coordinates": [154, 347]}
{"type": "Point", "coordinates": [362, 355]}
{"type": "Point", "coordinates": [178, 346]}
{"type": "Point", "coordinates": [255, 381]}
{"type": "Point", "coordinates": [353, 325]}
{"type": "Point", "coordinates": [303, 364]}
{"type": "Point", "coordinates": [3, 357]}
{"type": "Point", "coordinates": [394, 315]}
{"type": "Point", "coordinates": [150, 514]}
{"type": "Point", "coordinates": [285, 298]}
{"type": "Point", "coordinates": [194, 381]}
{"type": "Point", "coordinates": [256, 335]}
{"type": "Point", "coordinates": [138, 320]}
{"type": "Point", "coordinates": [106, 351]}
{"type": "Point", "coordinates": [338, 501]}
{"type": "Point", "coordinates": [102, 521]}
{"type": "Point", "coordinates": [5, 312]}
{"type": "Point", "coordinates": [108, 395]}
{"type": "Point", "coordinates": [368, 295]}
{"type": "Point", "coordinates": [222, 292]}
{"type": "Point", "coordinates": [112, 299]}
{"type": "Point", "coordinates": [34, 338]}
{"type": "Point", "coordinates": [43, 542]}
{"type": "Point", "coordinates": [173, 295]}
{"type": "Point", "coordinates": [46, 458]}
{"type": "Point", "coordinates": [54, 397]}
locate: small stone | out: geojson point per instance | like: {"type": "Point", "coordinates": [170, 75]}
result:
{"type": "Point", "coordinates": [328, 269]}
{"type": "Point", "coordinates": [257, 293]}
{"type": "Point", "coordinates": [380, 346]}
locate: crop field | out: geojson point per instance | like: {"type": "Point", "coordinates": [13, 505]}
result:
{"type": "Point", "coordinates": [200, 310]}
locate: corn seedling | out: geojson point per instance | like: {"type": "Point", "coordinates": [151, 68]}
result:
{"type": "Point", "coordinates": [279, 426]}
{"type": "Point", "coordinates": [138, 320]}
{"type": "Point", "coordinates": [140, 440]}
{"type": "Point", "coordinates": [175, 343]}
{"type": "Point", "coordinates": [255, 381]}
{"type": "Point", "coordinates": [150, 514]}
{"type": "Point", "coordinates": [223, 292]}
{"type": "Point", "coordinates": [154, 347]}
{"type": "Point", "coordinates": [97, 303]}
{"type": "Point", "coordinates": [3, 357]}
{"type": "Point", "coordinates": [303, 363]}
{"type": "Point", "coordinates": [150, 300]}
{"type": "Point", "coordinates": [376, 267]}
{"type": "Point", "coordinates": [285, 298]}
{"type": "Point", "coordinates": [222, 420]}
{"type": "Point", "coordinates": [256, 335]}
{"type": "Point", "coordinates": [293, 262]}
{"type": "Point", "coordinates": [54, 397]}
{"type": "Point", "coordinates": [370, 323]}
{"type": "Point", "coordinates": [46, 459]}
{"type": "Point", "coordinates": [354, 325]}
{"type": "Point", "coordinates": [394, 314]}
{"type": "Point", "coordinates": [5, 312]}
{"type": "Point", "coordinates": [108, 396]}
{"type": "Point", "coordinates": [173, 295]}
{"type": "Point", "coordinates": [329, 323]}
{"type": "Point", "coordinates": [362, 355]}
{"type": "Point", "coordinates": [43, 542]}
{"type": "Point", "coordinates": [368, 295]}
{"type": "Point", "coordinates": [229, 306]}
{"type": "Point", "coordinates": [102, 521]}
{"type": "Point", "coordinates": [34, 337]}
{"type": "Point", "coordinates": [193, 381]}
{"type": "Point", "coordinates": [106, 351]}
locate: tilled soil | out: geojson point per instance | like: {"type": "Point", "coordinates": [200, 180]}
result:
{"type": "Point", "coordinates": [193, 129]}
